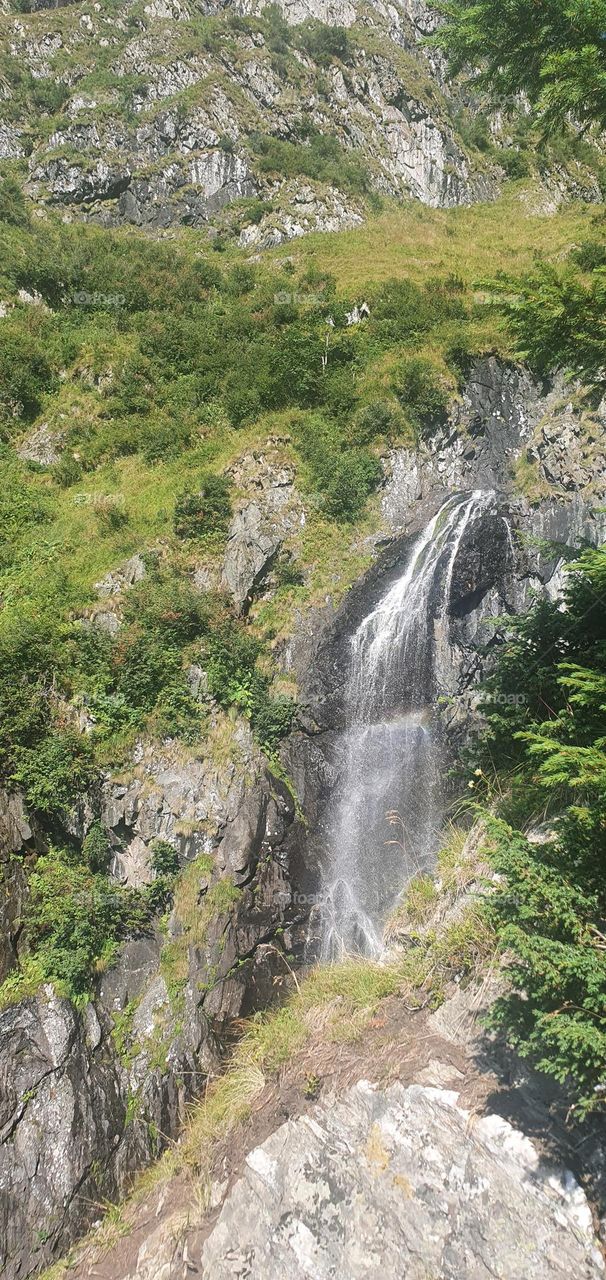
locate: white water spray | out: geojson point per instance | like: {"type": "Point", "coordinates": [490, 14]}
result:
{"type": "Point", "coordinates": [387, 811]}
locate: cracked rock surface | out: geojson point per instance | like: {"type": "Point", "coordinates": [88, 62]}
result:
{"type": "Point", "coordinates": [395, 1182]}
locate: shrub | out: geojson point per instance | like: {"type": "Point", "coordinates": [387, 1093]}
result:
{"type": "Point", "coordinates": [165, 866]}
{"type": "Point", "coordinates": [206, 511]}
{"type": "Point", "coordinates": [145, 666]}
{"type": "Point", "coordinates": [13, 208]}
{"type": "Point", "coordinates": [164, 859]}
{"type": "Point", "coordinates": [25, 370]}
{"type": "Point", "coordinates": [235, 681]}
{"type": "Point", "coordinates": [590, 255]}
{"type": "Point", "coordinates": [355, 476]}
{"type": "Point", "coordinates": [375, 420]}
{"type": "Point", "coordinates": [400, 312]}
{"type": "Point", "coordinates": [96, 848]}
{"type": "Point", "coordinates": [321, 157]}
{"type": "Point", "coordinates": [325, 44]}
{"type": "Point", "coordinates": [161, 440]}
{"type": "Point", "coordinates": [243, 405]}
{"type": "Point", "coordinates": [55, 772]}
{"type": "Point", "coordinates": [67, 471]}
{"type": "Point", "coordinates": [421, 392]}
{"type": "Point", "coordinates": [253, 211]}
{"type": "Point", "coordinates": [111, 514]}
{"type": "Point", "coordinates": [168, 608]}
{"type": "Point", "coordinates": [29, 658]}
{"type": "Point", "coordinates": [75, 920]}
{"type": "Point", "coordinates": [515, 162]}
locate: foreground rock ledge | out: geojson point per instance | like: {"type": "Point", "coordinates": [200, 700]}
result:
{"type": "Point", "coordinates": [389, 1184]}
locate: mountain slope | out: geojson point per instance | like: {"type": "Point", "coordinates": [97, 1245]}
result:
{"type": "Point", "coordinates": [163, 115]}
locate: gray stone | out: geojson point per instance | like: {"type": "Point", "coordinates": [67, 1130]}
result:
{"type": "Point", "coordinates": [114, 583]}
{"type": "Point", "coordinates": [41, 445]}
{"type": "Point", "coordinates": [398, 1182]}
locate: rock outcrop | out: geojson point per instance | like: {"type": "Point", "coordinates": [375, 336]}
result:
{"type": "Point", "coordinates": [90, 1096]}
{"type": "Point", "coordinates": [392, 1182]}
{"type": "Point", "coordinates": [268, 513]}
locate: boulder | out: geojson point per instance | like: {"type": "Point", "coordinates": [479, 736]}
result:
{"type": "Point", "coordinates": [41, 445]}
{"type": "Point", "coordinates": [398, 1182]}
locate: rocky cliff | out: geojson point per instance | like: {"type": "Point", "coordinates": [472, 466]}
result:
{"type": "Point", "coordinates": [244, 119]}
{"type": "Point", "coordinates": [89, 1096]}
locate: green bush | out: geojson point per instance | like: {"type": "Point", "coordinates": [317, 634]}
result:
{"type": "Point", "coordinates": [342, 477]}
{"type": "Point", "coordinates": [243, 405]}
{"type": "Point", "coordinates": [514, 161]}
{"type": "Point", "coordinates": [590, 255]}
{"type": "Point", "coordinates": [325, 44]}
{"type": "Point", "coordinates": [231, 656]}
{"type": "Point", "coordinates": [375, 421]}
{"type": "Point", "coordinates": [251, 212]}
{"type": "Point", "coordinates": [169, 608]}
{"type": "Point", "coordinates": [54, 773]}
{"type": "Point", "coordinates": [13, 207]}
{"type": "Point", "coordinates": [162, 440]}
{"type": "Point", "coordinates": [206, 511]}
{"type": "Point", "coordinates": [165, 867]}
{"type": "Point", "coordinates": [355, 476]}
{"type": "Point", "coordinates": [25, 370]}
{"type": "Point", "coordinates": [421, 392]}
{"type": "Point", "coordinates": [96, 849]}
{"type": "Point", "coordinates": [321, 156]}
{"type": "Point", "coordinates": [75, 920]}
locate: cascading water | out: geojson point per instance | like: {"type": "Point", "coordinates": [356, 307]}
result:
{"type": "Point", "coordinates": [390, 780]}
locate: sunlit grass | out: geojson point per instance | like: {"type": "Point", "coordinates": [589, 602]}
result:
{"type": "Point", "coordinates": [474, 243]}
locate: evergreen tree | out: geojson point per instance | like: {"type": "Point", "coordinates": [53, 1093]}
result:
{"type": "Point", "coordinates": [545, 707]}
{"type": "Point", "coordinates": [553, 51]}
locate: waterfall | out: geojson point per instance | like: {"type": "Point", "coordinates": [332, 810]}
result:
{"type": "Point", "coordinates": [386, 814]}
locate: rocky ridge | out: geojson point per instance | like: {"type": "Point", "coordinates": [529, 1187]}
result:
{"type": "Point", "coordinates": [166, 114]}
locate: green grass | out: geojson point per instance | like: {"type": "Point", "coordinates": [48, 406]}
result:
{"type": "Point", "coordinates": [414, 242]}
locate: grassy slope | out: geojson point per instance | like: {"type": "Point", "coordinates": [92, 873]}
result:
{"type": "Point", "coordinates": [410, 242]}
{"type": "Point", "coordinates": [475, 243]}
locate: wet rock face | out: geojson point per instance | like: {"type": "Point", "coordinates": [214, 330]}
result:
{"type": "Point", "coordinates": [397, 1182]}
{"type": "Point", "coordinates": [517, 546]}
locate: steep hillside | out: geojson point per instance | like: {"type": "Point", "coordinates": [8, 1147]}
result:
{"type": "Point", "coordinates": [255, 122]}
{"type": "Point", "coordinates": [292, 325]}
